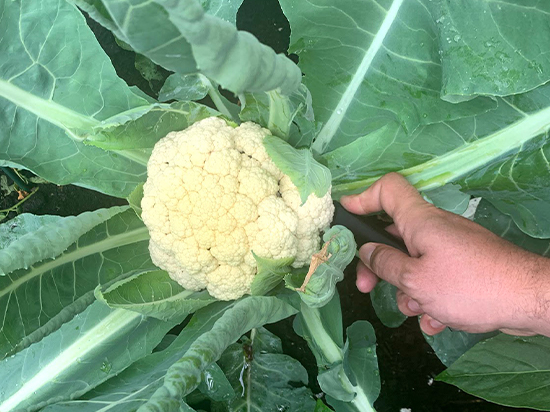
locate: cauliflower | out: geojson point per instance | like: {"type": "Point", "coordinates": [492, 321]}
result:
{"type": "Point", "coordinates": [213, 196]}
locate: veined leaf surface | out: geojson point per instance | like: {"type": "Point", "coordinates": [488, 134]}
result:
{"type": "Point", "coordinates": [94, 346]}
{"type": "Point", "coordinates": [36, 300]}
{"type": "Point", "coordinates": [56, 86]}
{"type": "Point", "coordinates": [365, 69]}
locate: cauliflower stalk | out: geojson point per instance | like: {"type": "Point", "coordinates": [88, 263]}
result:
{"type": "Point", "coordinates": [213, 196]}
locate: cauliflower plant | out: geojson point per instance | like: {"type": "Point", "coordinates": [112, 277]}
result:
{"type": "Point", "coordinates": [213, 196]}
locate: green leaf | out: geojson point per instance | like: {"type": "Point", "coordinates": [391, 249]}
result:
{"type": "Point", "coordinates": [186, 38]}
{"type": "Point", "coordinates": [149, 70]}
{"type": "Point", "coordinates": [94, 346]}
{"type": "Point", "coordinates": [496, 155]}
{"type": "Point", "coordinates": [264, 378]}
{"type": "Point", "coordinates": [322, 285]}
{"type": "Point", "coordinates": [327, 336]}
{"type": "Point", "coordinates": [360, 360]}
{"type": "Point", "coordinates": [148, 127]}
{"type": "Point", "coordinates": [449, 345]}
{"type": "Point", "coordinates": [36, 300]}
{"type": "Point", "coordinates": [336, 377]}
{"type": "Point", "coordinates": [336, 384]}
{"type": "Point", "coordinates": [308, 175]}
{"type": "Point", "coordinates": [368, 64]}
{"type": "Point", "coordinates": [184, 375]}
{"type": "Point", "coordinates": [288, 117]}
{"type": "Point", "coordinates": [51, 99]}
{"type": "Point", "coordinates": [215, 384]}
{"type": "Point", "coordinates": [154, 294]}
{"type": "Point", "coordinates": [133, 386]}
{"type": "Point", "coordinates": [449, 197]}
{"type": "Point", "coordinates": [321, 407]}
{"type": "Point", "coordinates": [184, 87]}
{"type": "Point", "coordinates": [134, 199]}
{"type": "Point", "coordinates": [270, 273]}
{"type": "Point", "coordinates": [508, 370]}
{"type": "Point", "coordinates": [234, 59]}
{"type": "Point", "coordinates": [490, 217]}
{"type": "Point", "coordinates": [31, 243]}
{"type": "Point", "coordinates": [384, 302]}
{"type": "Point", "coordinates": [482, 53]}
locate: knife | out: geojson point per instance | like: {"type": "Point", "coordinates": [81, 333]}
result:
{"type": "Point", "coordinates": [366, 228]}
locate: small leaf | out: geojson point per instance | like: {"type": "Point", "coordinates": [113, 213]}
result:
{"type": "Point", "coordinates": [307, 174]}
{"type": "Point", "coordinates": [134, 199]}
{"type": "Point", "coordinates": [184, 87]}
{"type": "Point", "coordinates": [270, 273]}
{"type": "Point", "coordinates": [384, 302]}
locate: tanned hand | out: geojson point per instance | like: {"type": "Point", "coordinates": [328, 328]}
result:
{"type": "Point", "coordinates": [458, 274]}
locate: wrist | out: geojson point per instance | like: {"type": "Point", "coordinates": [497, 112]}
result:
{"type": "Point", "coordinates": [533, 301]}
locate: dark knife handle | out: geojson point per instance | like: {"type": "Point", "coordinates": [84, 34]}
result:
{"type": "Point", "coordinates": [366, 228]}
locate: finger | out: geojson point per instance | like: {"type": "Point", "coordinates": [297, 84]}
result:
{"type": "Point", "coordinates": [431, 326]}
{"type": "Point", "coordinates": [407, 305]}
{"type": "Point", "coordinates": [366, 280]}
{"type": "Point", "coordinates": [391, 193]}
{"type": "Point", "coordinates": [386, 262]}
{"type": "Point", "coordinates": [392, 230]}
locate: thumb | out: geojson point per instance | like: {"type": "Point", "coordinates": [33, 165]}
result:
{"type": "Point", "coordinates": [386, 262]}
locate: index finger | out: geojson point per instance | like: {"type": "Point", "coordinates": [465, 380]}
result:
{"type": "Point", "coordinates": [393, 194]}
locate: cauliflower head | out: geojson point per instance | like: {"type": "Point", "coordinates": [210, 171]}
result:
{"type": "Point", "coordinates": [213, 196]}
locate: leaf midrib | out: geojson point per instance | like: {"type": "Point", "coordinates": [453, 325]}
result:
{"type": "Point", "coordinates": [108, 243]}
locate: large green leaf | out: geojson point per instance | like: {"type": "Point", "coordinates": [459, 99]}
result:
{"type": "Point", "coordinates": [484, 50]}
{"type": "Point", "coordinates": [500, 155]}
{"type": "Point", "coordinates": [509, 370]}
{"type": "Point", "coordinates": [187, 40]}
{"type": "Point", "coordinates": [264, 378]}
{"type": "Point", "coordinates": [55, 87]}
{"type": "Point", "coordinates": [450, 345]}
{"type": "Point", "coordinates": [167, 48]}
{"type": "Point", "coordinates": [133, 386]}
{"type": "Point", "coordinates": [31, 243]}
{"type": "Point", "coordinates": [94, 346]}
{"type": "Point", "coordinates": [37, 299]}
{"type": "Point", "coordinates": [154, 294]}
{"type": "Point", "coordinates": [368, 63]}
{"type": "Point", "coordinates": [184, 375]}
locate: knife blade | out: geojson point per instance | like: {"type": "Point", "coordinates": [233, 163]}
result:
{"type": "Point", "coordinates": [366, 228]}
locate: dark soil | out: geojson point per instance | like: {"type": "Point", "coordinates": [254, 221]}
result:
{"type": "Point", "coordinates": [407, 363]}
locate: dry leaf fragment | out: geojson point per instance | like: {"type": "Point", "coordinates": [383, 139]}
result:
{"type": "Point", "coordinates": [316, 260]}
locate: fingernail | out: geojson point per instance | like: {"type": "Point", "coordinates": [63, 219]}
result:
{"type": "Point", "coordinates": [414, 306]}
{"type": "Point", "coordinates": [436, 324]}
{"type": "Point", "coordinates": [366, 252]}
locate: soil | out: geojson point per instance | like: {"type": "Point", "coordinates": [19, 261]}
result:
{"type": "Point", "coordinates": [407, 363]}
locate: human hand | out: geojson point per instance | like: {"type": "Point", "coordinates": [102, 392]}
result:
{"type": "Point", "coordinates": [458, 274]}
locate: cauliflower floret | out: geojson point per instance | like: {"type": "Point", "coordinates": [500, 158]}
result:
{"type": "Point", "coordinates": [213, 196]}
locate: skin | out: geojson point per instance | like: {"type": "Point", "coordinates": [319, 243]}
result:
{"type": "Point", "coordinates": [458, 274]}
